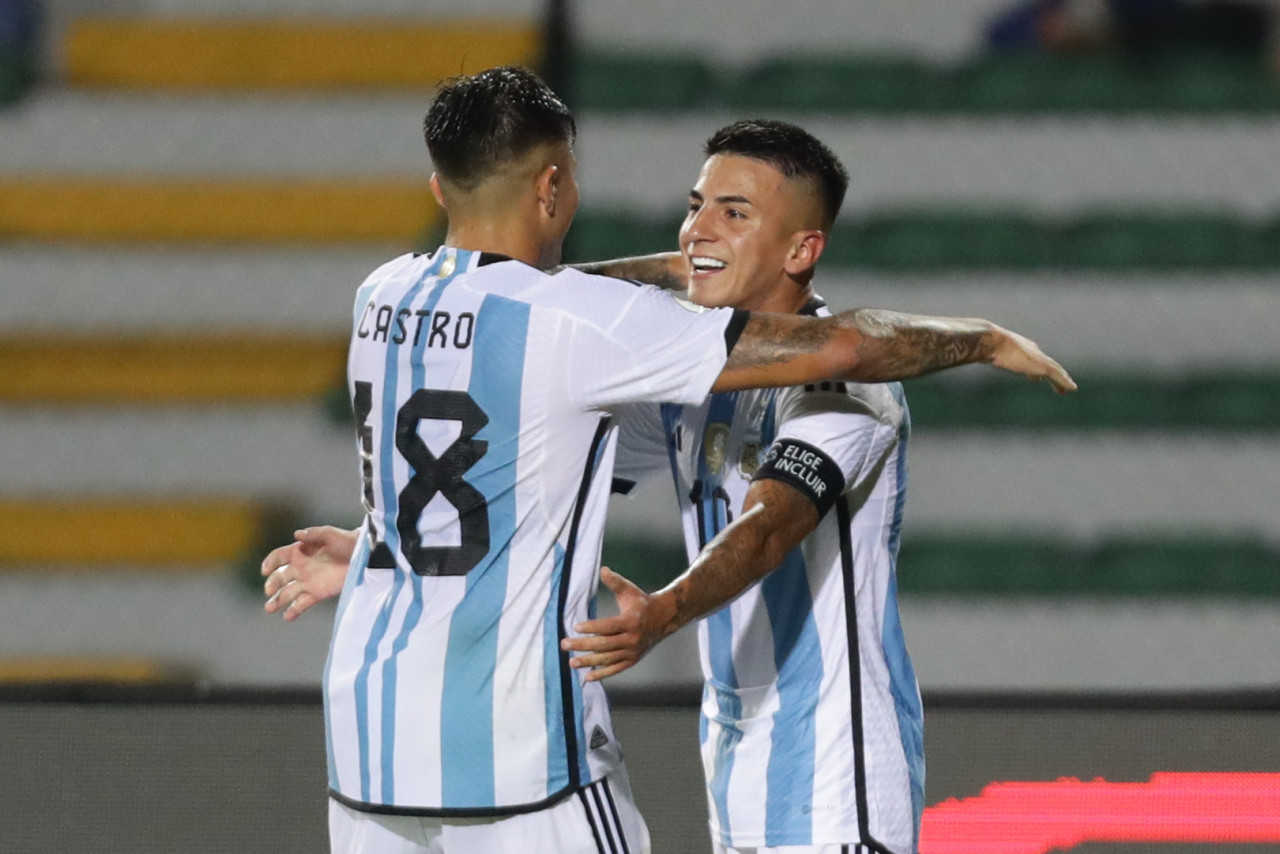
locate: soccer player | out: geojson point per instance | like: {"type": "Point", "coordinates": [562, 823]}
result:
{"type": "Point", "coordinates": [484, 391]}
{"type": "Point", "coordinates": [792, 501]}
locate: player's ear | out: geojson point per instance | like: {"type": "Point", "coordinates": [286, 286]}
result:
{"type": "Point", "coordinates": [436, 191]}
{"type": "Point", "coordinates": [546, 185]}
{"type": "Point", "coordinates": [806, 249]}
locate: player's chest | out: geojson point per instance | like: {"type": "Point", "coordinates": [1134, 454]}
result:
{"type": "Point", "coordinates": [723, 441]}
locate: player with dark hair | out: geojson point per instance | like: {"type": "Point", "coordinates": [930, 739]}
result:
{"type": "Point", "coordinates": [812, 731]}
{"type": "Point", "coordinates": [485, 391]}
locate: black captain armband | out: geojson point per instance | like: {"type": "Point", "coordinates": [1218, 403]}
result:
{"type": "Point", "coordinates": [807, 469]}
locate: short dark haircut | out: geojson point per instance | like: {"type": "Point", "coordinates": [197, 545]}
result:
{"type": "Point", "coordinates": [792, 150]}
{"type": "Point", "coordinates": [476, 124]}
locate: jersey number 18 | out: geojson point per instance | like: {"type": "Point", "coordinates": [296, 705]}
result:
{"type": "Point", "coordinates": [431, 475]}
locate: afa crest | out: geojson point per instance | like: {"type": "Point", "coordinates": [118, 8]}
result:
{"type": "Point", "coordinates": [714, 444]}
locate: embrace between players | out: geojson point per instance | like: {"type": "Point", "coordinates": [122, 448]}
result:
{"type": "Point", "coordinates": [463, 706]}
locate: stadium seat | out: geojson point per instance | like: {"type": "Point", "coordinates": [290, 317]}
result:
{"type": "Point", "coordinates": [609, 235]}
{"type": "Point", "coordinates": [1041, 84]}
{"type": "Point", "coordinates": [1230, 403]}
{"type": "Point", "coordinates": [1185, 566]}
{"type": "Point", "coordinates": [995, 565]}
{"type": "Point", "coordinates": [947, 239]}
{"type": "Point", "coordinates": [891, 84]}
{"type": "Point", "coordinates": [1008, 85]}
{"type": "Point", "coordinates": [1153, 241]}
{"type": "Point", "coordinates": [618, 82]}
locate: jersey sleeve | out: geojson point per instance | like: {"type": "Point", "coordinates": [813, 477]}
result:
{"type": "Point", "coordinates": [638, 344]}
{"type": "Point", "coordinates": [642, 446]}
{"type": "Point", "coordinates": [831, 438]}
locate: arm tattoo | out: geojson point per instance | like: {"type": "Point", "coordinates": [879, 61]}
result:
{"type": "Point", "coordinates": [907, 345]}
{"type": "Point", "coordinates": [769, 338]}
{"type": "Point", "coordinates": [751, 547]}
{"type": "Point", "coordinates": [889, 345]}
{"type": "Point", "coordinates": [727, 565]}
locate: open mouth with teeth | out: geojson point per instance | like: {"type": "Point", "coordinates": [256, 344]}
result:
{"type": "Point", "coordinates": [703, 264]}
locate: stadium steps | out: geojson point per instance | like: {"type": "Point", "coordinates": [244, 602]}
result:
{"type": "Point", "coordinates": [906, 85]}
{"type": "Point", "coordinates": [1225, 402]}
{"type": "Point", "coordinates": [942, 564]}
{"type": "Point", "coordinates": [186, 209]}
{"type": "Point", "coordinates": [302, 53]}
{"type": "Point", "coordinates": [958, 240]}
{"type": "Point", "coordinates": [1215, 403]}
{"type": "Point", "coordinates": [169, 368]}
{"type": "Point", "coordinates": [16, 671]}
{"type": "Point", "coordinates": [189, 534]}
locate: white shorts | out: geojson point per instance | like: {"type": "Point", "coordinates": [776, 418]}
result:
{"type": "Point", "coordinates": [599, 819]}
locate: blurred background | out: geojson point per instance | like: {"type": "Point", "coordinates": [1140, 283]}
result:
{"type": "Point", "coordinates": [191, 190]}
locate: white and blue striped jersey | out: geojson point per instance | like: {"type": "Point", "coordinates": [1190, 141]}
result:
{"type": "Point", "coordinates": [811, 726]}
{"type": "Point", "coordinates": [482, 390]}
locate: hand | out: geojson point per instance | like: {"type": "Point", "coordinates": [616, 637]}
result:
{"type": "Point", "coordinates": [614, 644]}
{"type": "Point", "coordinates": [307, 571]}
{"type": "Point", "coordinates": [1021, 355]}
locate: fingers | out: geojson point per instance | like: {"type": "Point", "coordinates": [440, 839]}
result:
{"type": "Point", "coordinates": [617, 584]}
{"type": "Point", "coordinates": [289, 596]}
{"type": "Point", "coordinates": [1062, 382]}
{"type": "Point", "coordinates": [299, 606]}
{"type": "Point", "coordinates": [605, 672]}
{"type": "Point", "coordinates": [600, 665]}
{"type": "Point", "coordinates": [600, 642]}
{"type": "Point", "coordinates": [276, 558]}
{"type": "Point", "coordinates": [278, 579]}
{"type": "Point", "coordinates": [606, 626]}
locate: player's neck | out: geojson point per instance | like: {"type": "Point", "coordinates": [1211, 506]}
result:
{"type": "Point", "coordinates": [499, 235]}
{"type": "Point", "coordinates": [788, 297]}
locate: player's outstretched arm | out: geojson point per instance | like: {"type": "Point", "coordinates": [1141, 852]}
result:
{"type": "Point", "coordinates": [776, 518]}
{"type": "Point", "coordinates": [307, 571]}
{"type": "Point", "coordinates": [874, 345]}
{"type": "Point", "coordinates": [667, 270]}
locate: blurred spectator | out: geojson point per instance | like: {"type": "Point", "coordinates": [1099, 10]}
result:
{"type": "Point", "coordinates": [19, 48]}
{"type": "Point", "coordinates": [19, 27]}
{"type": "Point", "coordinates": [1139, 28]}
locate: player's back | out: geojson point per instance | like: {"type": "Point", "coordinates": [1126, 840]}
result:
{"type": "Point", "coordinates": [482, 389]}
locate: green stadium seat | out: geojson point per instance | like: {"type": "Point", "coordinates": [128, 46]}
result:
{"type": "Point", "coordinates": [1185, 566]}
{"type": "Point", "coordinates": [1043, 84]}
{"type": "Point", "coordinates": [613, 235]}
{"type": "Point", "coordinates": [1215, 83]}
{"type": "Point", "coordinates": [946, 240]}
{"type": "Point", "coordinates": [651, 564]}
{"type": "Point", "coordinates": [1123, 402]}
{"type": "Point", "coordinates": [1154, 241]}
{"type": "Point", "coordinates": [870, 84]}
{"type": "Point", "coordinates": [1241, 402]}
{"type": "Point", "coordinates": [617, 82]}
{"type": "Point", "coordinates": [1020, 564]}
{"type": "Point", "coordinates": [995, 565]}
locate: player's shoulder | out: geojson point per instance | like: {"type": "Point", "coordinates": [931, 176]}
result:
{"type": "Point", "coordinates": [398, 267]}
{"type": "Point", "coordinates": [604, 300]}
{"type": "Point", "coordinates": [882, 401]}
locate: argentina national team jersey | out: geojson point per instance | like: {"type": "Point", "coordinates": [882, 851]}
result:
{"type": "Point", "coordinates": [811, 722]}
{"type": "Point", "coordinates": [482, 391]}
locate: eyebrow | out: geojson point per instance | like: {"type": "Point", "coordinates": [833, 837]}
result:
{"type": "Point", "coordinates": [722, 200]}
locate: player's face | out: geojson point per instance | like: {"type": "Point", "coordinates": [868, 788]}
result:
{"type": "Point", "coordinates": [740, 229]}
